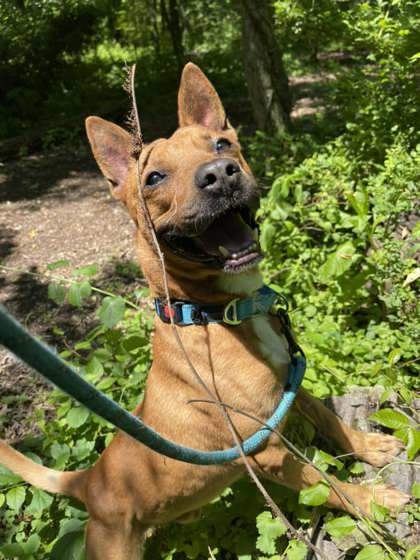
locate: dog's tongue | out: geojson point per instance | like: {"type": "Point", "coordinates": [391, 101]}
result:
{"type": "Point", "coordinates": [228, 231]}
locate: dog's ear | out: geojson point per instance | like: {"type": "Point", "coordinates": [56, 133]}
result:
{"type": "Point", "coordinates": [198, 102]}
{"type": "Point", "coordinates": [111, 147]}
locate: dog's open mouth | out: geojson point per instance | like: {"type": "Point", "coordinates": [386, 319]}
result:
{"type": "Point", "coordinates": [229, 242]}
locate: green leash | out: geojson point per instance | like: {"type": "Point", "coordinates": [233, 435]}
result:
{"type": "Point", "coordinates": [45, 361]}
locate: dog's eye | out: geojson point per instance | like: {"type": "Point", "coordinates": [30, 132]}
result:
{"type": "Point", "coordinates": [154, 178]}
{"type": "Point", "coordinates": [222, 144]}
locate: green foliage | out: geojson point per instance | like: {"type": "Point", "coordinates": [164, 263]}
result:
{"type": "Point", "coordinates": [337, 227]}
{"type": "Point", "coordinates": [335, 231]}
{"type": "Point", "coordinates": [269, 530]}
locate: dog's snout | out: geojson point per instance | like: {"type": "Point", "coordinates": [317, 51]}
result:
{"type": "Point", "coordinates": [217, 174]}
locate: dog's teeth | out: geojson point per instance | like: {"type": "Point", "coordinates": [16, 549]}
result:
{"type": "Point", "coordinates": [224, 251]}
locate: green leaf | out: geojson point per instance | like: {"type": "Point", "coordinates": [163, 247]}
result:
{"type": "Point", "coordinates": [268, 231]}
{"type": "Point", "coordinates": [341, 526]}
{"type": "Point", "coordinates": [40, 501]}
{"type": "Point", "coordinates": [337, 263]}
{"type": "Point", "coordinates": [94, 367]}
{"type": "Point", "coordinates": [379, 513]}
{"type": "Point", "coordinates": [77, 417]}
{"type": "Point", "coordinates": [60, 453]}
{"type": "Point", "coordinates": [269, 530]}
{"type": "Point", "coordinates": [58, 264]}
{"type": "Point", "coordinates": [57, 293]}
{"type": "Point", "coordinates": [72, 525]}
{"type": "Point", "coordinates": [314, 495]}
{"type": "Point", "coordinates": [413, 443]}
{"type": "Point", "coordinates": [78, 291]}
{"type": "Point", "coordinates": [12, 550]}
{"type": "Point", "coordinates": [394, 356]}
{"type": "Point", "coordinates": [415, 490]}
{"type": "Point", "coordinates": [322, 460]}
{"type": "Point", "coordinates": [32, 544]}
{"type": "Point", "coordinates": [412, 553]}
{"type": "Point", "coordinates": [357, 468]}
{"type": "Point", "coordinates": [69, 547]}
{"type": "Point", "coordinates": [89, 270]}
{"type": "Point", "coordinates": [297, 550]}
{"type": "Point", "coordinates": [111, 311]}
{"type": "Point", "coordinates": [7, 477]}
{"type": "Point", "coordinates": [2, 500]}
{"type": "Point", "coordinates": [370, 552]}
{"type": "Point", "coordinates": [390, 419]}
{"type": "Point", "coordinates": [15, 498]}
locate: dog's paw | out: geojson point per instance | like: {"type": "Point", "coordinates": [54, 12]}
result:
{"type": "Point", "coordinates": [378, 449]}
{"type": "Point", "coordinates": [383, 495]}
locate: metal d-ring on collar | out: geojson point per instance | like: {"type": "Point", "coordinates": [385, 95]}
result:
{"type": "Point", "coordinates": [44, 360]}
{"type": "Point", "coordinates": [230, 315]}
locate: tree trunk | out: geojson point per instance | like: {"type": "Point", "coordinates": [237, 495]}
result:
{"type": "Point", "coordinates": [172, 17]}
{"type": "Point", "coordinates": [266, 76]}
{"type": "Point", "coordinates": [152, 12]}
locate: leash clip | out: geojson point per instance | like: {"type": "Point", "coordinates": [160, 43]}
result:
{"type": "Point", "coordinates": [230, 314]}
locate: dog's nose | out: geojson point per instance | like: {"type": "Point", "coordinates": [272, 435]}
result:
{"type": "Point", "coordinates": [217, 174]}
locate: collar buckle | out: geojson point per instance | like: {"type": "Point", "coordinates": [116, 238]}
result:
{"type": "Point", "coordinates": [230, 314]}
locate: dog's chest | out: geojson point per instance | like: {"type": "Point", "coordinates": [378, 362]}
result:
{"type": "Point", "coordinates": [271, 344]}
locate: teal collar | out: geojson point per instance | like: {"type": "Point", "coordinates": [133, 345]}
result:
{"type": "Point", "coordinates": [237, 310]}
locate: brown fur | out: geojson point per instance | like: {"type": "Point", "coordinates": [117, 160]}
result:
{"type": "Point", "coordinates": [132, 488]}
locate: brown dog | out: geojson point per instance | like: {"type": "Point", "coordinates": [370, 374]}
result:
{"type": "Point", "coordinates": [198, 188]}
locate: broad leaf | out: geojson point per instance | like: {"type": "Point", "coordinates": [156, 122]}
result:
{"type": "Point", "coordinates": [370, 552]}
{"type": "Point", "coordinates": [269, 530]}
{"type": "Point", "coordinates": [390, 418]}
{"type": "Point", "coordinates": [89, 270]}
{"type": "Point", "coordinates": [340, 526]}
{"type": "Point", "coordinates": [69, 547]}
{"type": "Point", "coordinates": [413, 443]}
{"type": "Point", "coordinates": [12, 550]}
{"type": "Point", "coordinates": [337, 263]}
{"type": "Point", "coordinates": [40, 501]}
{"type": "Point", "coordinates": [77, 417]}
{"type": "Point", "coordinates": [57, 293]}
{"type": "Point", "coordinates": [111, 311]}
{"type": "Point", "coordinates": [7, 477]}
{"type": "Point", "coordinates": [58, 264]}
{"type": "Point", "coordinates": [15, 497]}
{"type": "Point", "coordinates": [379, 513]}
{"type": "Point", "coordinates": [78, 291]}
{"type": "Point", "coordinates": [297, 550]}
{"type": "Point", "coordinates": [315, 495]}
{"type": "Point", "coordinates": [32, 544]}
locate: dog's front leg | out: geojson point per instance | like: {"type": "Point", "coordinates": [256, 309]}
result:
{"type": "Point", "coordinates": [114, 542]}
{"type": "Point", "coordinates": [282, 466]}
{"type": "Point", "coordinates": [374, 448]}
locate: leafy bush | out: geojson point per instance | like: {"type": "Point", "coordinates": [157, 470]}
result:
{"type": "Point", "coordinates": [342, 246]}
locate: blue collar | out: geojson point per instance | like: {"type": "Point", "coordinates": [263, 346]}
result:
{"type": "Point", "coordinates": [233, 313]}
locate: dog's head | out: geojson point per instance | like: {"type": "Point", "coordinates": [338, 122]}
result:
{"type": "Point", "coordinates": [199, 189]}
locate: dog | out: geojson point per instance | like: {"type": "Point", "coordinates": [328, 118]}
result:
{"type": "Point", "coordinates": [200, 193]}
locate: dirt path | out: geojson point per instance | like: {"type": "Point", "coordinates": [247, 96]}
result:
{"type": "Point", "coordinates": [52, 207]}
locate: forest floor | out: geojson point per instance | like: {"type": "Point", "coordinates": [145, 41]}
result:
{"type": "Point", "coordinates": [55, 205]}
{"type": "Point", "coordinates": [52, 206]}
